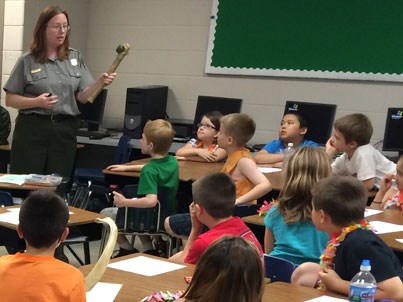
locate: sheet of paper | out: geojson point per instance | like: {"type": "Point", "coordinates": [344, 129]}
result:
{"type": "Point", "coordinates": [268, 170]}
{"type": "Point", "coordinates": [399, 240]}
{"type": "Point", "coordinates": [145, 266]}
{"type": "Point", "coordinates": [10, 217]}
{"type": "Point", "coordinates": [326, 299]}
{"type": "Point", "coordinates": [105, 292]}
{"type": "Point", "coordinates": [369, 212]}
{"type": "Point", "coordinates": [381, 227]}
{"type": "Point", "coordinates": [13, 179]}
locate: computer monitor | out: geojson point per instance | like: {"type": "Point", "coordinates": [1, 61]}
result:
{"type": "Point", "coordinates": [93, 113]}
{"type": "Point", "coordinates": [392, 139]}
{"type": "Point", "coordinates": [206, 104]}
{"type": "Point", "coordinates": [319, 117]}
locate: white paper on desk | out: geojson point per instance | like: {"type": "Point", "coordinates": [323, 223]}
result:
{"type": "Point", "coordinates": [399, 240]}
{"type": "Point", "coordinates": [369, 212]}
{"type": "Point", "coordinates": [145, 266]}
{"type": "Point", "coordinates": [13, 179]}
{"type": "Point", "coordinates": [105, 292]}
{"type": "Point", "coordinates": [268, 170]}
{"type": "Point", "coordinates": [381, 227]}
{"type": "Point", "coordinates": [10, 217]}
{"type": "Point", "coordinates": [326, 299]}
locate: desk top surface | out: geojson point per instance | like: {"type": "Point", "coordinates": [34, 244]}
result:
{"type": "Point", "coordinates": [4, 185]}
{"type": "Point", "coordinates": [390, 216]}
{"type": "Point", "coordinates": [78, 217]}
{"type": "Point", "coordinates": [136, 287]}
{"type": "Point", "coordinates": [192, 170]}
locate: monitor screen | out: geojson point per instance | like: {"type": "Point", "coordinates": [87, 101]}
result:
{"type": "Point", "coordinates": [206, 104]}
{"type": "Point", "coordinates": [93, 113]}
{"type": "Point", "coordinates": [319, 117]}
{"type": "Point", "coordinates": [393, 139]}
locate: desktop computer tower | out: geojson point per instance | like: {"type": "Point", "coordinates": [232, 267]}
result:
{"type": "Point", "coordinates": [142, 104]}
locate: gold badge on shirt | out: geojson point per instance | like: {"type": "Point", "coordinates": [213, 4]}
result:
{"type": "Point", "coordinates": [36, 70]}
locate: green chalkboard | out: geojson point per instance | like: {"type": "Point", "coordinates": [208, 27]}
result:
{"type": "Point", "coordinates": [348, 39]}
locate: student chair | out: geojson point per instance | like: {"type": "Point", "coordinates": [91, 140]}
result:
{"type": "Point", "coordinates": [6, 199]}
{"type": "Point", "coordinates": [122, 155]}
{"type": "Point", "coordinates": [144, 221]}
{"type": "Point", "coordinates": [277, 269]}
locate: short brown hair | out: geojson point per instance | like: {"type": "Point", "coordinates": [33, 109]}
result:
{"type": "Point", "coordinates": [343, 198]}
{"type": "Point", "coordinates": [240, 126]}
{"type": "Point", "coordinates": [216, 193]}
{"type": "Point", "coordinates": [161, 134]}
{"type": "Point", "coordinates": [38, 44]}
{"type": "Point", "coordinates": [355, 127]}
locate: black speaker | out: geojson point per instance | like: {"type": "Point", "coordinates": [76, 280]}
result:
{"type": "Point", "coordinates": [142, 104]}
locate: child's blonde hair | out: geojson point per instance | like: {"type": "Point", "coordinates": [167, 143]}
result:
{"type": "Point", "coordinates": [161, 134]}
{"type": "Point", "coordinates": [304, 169]}
{"type": "Point", "coordinates": [223, 274]}
{"type": "Point", "coordinates": [240, 126]}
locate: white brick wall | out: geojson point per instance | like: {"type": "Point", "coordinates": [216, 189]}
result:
{"type": "Point", "coordinates": [169, 42]}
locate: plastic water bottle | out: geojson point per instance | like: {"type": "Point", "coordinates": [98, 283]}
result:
{"type": "Point", "coordinates": [287, 153]}
{"type": "Point", "coordinates": [363, 284]}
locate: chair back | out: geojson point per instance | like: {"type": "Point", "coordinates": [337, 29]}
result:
{"type": "Point", "coordinates": [6, 199]}
{"type": "Point", "coordinates": [143, 219]}
{"type": "Point", "coordinates": [278, 269]}
{"type": "Point", "coordinates": [123, 151]}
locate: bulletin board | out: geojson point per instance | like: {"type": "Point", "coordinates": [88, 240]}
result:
{"type": "Point", "coordinates": [341, 39]}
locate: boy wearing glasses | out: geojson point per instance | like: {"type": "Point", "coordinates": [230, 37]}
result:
{"type": "Point", "coordinates": [204, 148]}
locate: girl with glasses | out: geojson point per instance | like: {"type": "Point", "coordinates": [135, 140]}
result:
{"type": "Point", "coordinates": [204, 148]}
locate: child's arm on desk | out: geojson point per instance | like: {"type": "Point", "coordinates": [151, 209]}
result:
{"type": "Point", "coordinates": [122, 168]}
{"type": "Point", "coordinates": [199, 154]}
{"type": "Point", "coordinates": [264, 157]}
{"type": "Point", "coordinates": [247, 167]}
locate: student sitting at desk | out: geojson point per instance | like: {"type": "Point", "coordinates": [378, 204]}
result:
{"type": "Point", "coordinates": [205, 148]}
{"type": "Point", "coordinates": [288, 224]}
{"type": "Point", "coordinates": [229, 270]}
{"type": "Point", "coordinates": [351, 135]}
{"type": "Point", "coordinates": [293, 128]}
{"type": "Point", "coordinates": [338, 209]}
{"type": "Point", "coordinates": [161, 171]}
{"type": "Point", "coordinates": [36, 275]}
{"type": "Point", "coordinates": [214, 210]}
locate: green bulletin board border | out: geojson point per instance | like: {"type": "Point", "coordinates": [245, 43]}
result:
{"type": "Point", "coordinates": [336, 39]}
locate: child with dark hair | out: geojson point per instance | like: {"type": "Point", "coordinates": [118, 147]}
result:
{"type": "Point", "coordinates": [351, 135]}
{"type": "Point", "coordinates": [205, 148]}
{"type": "Point", "coordinates": [214, 210]}
{"type": "Point", "coordinates": [338, 209]}
{"type": "Point", "coordinates": [43, 224]}
{"type": "Point", "coordinates": [293, 128]}
{"type": "Point", "coordinates": [229, 270]}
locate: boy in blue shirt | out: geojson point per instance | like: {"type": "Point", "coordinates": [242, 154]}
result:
{"type": "Point", "coordinates": [293, 128]}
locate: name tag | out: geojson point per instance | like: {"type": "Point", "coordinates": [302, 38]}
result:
{"type": "Point", "coordinates": [35, 70]}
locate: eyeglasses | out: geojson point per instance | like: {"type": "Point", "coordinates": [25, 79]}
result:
{"type": "Point", "coordinates": [58, 27]}
{"type": "Point", "coordinates": [207, 126]}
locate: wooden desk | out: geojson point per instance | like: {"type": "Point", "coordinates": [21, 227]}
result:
{"type": "Point", "coordinates": [4, 185]}
{"type": "Point", "coordinates": [136, 287]}
{"type": "Point", "coordinates": [389, 216]}
{"type": "Point", "coordinates": [84, 220]}
{"type": "Point", "coordinates": [192, 170]}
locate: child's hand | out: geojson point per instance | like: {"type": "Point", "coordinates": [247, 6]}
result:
{"type": "Point", "coordinates": [180, 157]}
{"type": "Point", "coordinates": [196, 224]}
{"type": "Point", "coordinates": [118, 199]}
{"type": "Point", "coordinates": [330, 149]}
{"type": "Point", "coordinates": [208, 156]}
{"type": "Point", "coordinates": [386, 182]}
{"type": "Point", "coordinates": [331, 279]}
{"type": "Point", "coordinates": [116, 168]}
